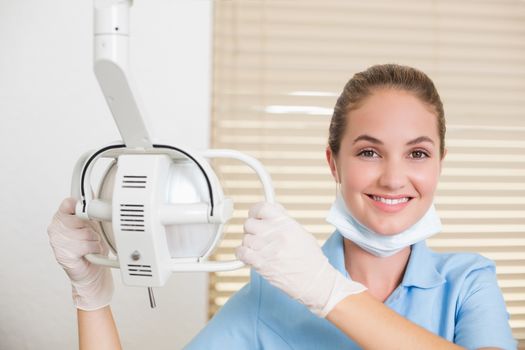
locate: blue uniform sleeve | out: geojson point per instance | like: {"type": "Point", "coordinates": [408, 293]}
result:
{"type": "Point", "coordinates": [235, 325]}
{"type": "Point", "coordinates": [482, 318]}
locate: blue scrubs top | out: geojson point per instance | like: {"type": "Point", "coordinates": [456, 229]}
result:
{"type": "Point", "coordinates": [453, 295]}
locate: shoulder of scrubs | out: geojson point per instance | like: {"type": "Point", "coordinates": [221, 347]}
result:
{"type": "Point", "coordinates": [261, 316]}
{"type": "Point", "coordinates": [234, 325]}
{"type": "Point", "coordinates": [458, 297]}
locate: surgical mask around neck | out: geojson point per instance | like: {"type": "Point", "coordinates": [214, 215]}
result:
{"type": "Point", "coordinates": [378, 244]}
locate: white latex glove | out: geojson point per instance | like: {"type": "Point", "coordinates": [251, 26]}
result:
{"type": "Point", "coordinates": [286, 255]}
{"type": "Point", "coordinates": [71, 238]}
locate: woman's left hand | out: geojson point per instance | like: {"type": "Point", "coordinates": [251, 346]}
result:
{"type": "Point", "coordinates": [289, 257]}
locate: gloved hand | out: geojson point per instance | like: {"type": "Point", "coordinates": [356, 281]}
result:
{"type": "Point", "coordinates": [281, 251]}
{"type": "Point", "coordinates": [71, 238]}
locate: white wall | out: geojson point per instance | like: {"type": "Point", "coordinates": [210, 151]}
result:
{"type": "Point", "coordinates": [51, 111]}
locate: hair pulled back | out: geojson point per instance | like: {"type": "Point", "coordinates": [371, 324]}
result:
{"type": "Point", "coordinates": [384, 76]}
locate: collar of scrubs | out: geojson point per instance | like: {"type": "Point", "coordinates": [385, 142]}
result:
{"type": "Point", "coordinates": [421, 270]}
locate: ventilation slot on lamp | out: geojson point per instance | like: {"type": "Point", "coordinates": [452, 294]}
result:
{"type": "Point", "coordinates": [132, 217]}
{"type": "Point", "coordinates": [140, 270]}
{"type": "Point", "coordinates": [134, 181]}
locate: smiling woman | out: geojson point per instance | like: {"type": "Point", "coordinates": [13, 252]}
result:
{"type": "Point", "coordinates": [279, 53]}
{"type": "Point", "coordinates": [385, 153]}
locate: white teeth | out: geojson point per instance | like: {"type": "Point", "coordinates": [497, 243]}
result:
{"type": "Point", "coordinates": [390, 201]}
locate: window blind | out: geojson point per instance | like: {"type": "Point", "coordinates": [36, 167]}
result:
{"type": "Point", "coordinates": [279, 66]}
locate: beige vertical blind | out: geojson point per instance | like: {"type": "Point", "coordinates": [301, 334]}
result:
{"type": "Point", "coordinates": [280, 65]}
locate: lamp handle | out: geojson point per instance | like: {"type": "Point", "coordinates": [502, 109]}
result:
{"type": "Point", "coordinates": [253, 163]}
{"type": "Point", "coordinates": [269, 194]}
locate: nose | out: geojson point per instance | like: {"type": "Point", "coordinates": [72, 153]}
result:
{"type": "Point", "coordinates": [393, 175]}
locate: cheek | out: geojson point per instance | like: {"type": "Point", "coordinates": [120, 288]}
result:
{"type": "Point", "coordinates": [357, 176]}
{"type": "Point", "coordinates": [425, 179]}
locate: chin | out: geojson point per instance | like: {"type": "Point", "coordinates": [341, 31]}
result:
{"type": "Point", "coordinates": [389, 230]}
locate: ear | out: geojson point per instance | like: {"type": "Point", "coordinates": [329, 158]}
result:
{"type": "Point", "coordinates": [330, 158]}
{"type": "Point", "coordinates": [445, 151]}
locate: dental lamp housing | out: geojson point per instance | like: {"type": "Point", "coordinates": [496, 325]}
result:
{"type": "Point", "coordinates": [160, 208]}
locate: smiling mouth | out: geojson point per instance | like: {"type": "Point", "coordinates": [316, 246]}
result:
{"type": "Point", "coordinates": [390, 201]}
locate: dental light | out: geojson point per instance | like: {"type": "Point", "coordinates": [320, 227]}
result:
{"type": "Point", "coordinates": [160, 208]}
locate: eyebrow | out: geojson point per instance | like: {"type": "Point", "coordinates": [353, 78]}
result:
{"type": "Point", "coordinates": [379, 142]}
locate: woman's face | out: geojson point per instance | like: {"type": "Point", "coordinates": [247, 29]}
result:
{"type": "Point", "coordinates": [389, 162]}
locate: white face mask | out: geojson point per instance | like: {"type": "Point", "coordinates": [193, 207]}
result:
{"type": "Point", "coordinates": [377, 244]}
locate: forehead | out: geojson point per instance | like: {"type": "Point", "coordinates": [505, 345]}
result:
{"type": "Point", "coordinates": [392, 115]}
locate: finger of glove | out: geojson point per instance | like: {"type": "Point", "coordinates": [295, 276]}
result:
{"type": "Point", "coordinates": [58, 229]}
{"type": "Point", "coordinates": [68, 251]}
{"type": "Point", "coordinates": [70, 221]}
{"type": "Point", "coordinates": [266, 210]}
{"type": "Point", "coordinates": [275, 251]}
{"type": "Point", "coordinates": [68, 206]}
{"type": "Point", "coordinates": [66, 214]}
{"type": "Point", "coordinates": [70, 254]}
{"type": "Point", "coordinates": [79, 270]}
{"type": "Point", "coordinates": [289, 231]}
{"type": "Point", "coordinates": [82, 248]}
{"type": "Point", "coordinates": [248, 256]}
{"type": "Point", "coordinates": [254, 242]}
{"type": "Point", "coordinates": [260, 227]}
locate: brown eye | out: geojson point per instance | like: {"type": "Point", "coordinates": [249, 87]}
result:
{"type": "Point", "coordinates": [418, 154]}
{"type": "Point", "coordinates": [367, 153]}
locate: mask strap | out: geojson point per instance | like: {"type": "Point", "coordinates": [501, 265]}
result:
{"type": "Point", "coordinates": [337, 180]}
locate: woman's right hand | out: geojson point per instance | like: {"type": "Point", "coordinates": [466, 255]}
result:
{"type": "Point", "coordinates": [71, 239]}
{"type": "Point", "coordinates": [290, 258]}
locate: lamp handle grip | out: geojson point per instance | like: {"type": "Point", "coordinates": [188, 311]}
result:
{"type": "Point", "coordinates": [269, 194]}
{"type": "Point", "coordinates": [253, 163]}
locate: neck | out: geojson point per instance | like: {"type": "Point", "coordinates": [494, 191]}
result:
{"type": "Point", "coordinates": [380, 275]}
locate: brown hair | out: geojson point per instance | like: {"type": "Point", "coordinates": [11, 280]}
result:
{"type": "Point", "coordinates": [390, 76]}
